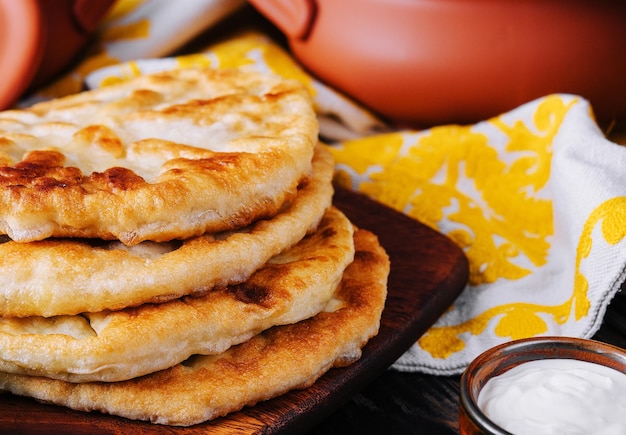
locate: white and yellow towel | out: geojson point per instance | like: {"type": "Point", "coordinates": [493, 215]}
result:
{"type": "Point", "coordinates": [535, 197]}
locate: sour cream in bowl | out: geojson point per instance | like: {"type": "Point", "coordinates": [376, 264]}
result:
{"type": "Point", "coordinates": [547, 385]}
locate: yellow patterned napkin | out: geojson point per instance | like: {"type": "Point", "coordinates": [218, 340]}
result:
{"type": "Point", "coordinates": [535, 197]}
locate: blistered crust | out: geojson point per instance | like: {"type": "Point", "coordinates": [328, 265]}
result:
{"type": "Point", "coordinates": [70, 276]}
{"type": "Point", "coordinates": [119, 345]}
{"type": "Point", "coordinates": [160, 157]}
{"type": "Point", "coordinates": [269, 364]}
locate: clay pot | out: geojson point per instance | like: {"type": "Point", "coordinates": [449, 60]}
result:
{"type": "Point", "coordinates": [427, 62]}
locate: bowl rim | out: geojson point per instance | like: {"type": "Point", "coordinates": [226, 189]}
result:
{"type": "Point", "coordinates": [524, 350]}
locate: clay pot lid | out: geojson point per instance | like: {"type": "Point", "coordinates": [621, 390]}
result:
{"type": "Point", "coordinates": [21, 47]}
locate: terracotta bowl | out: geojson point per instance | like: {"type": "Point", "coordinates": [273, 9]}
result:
{"type": "Point", "coordinates": [427, 62]}
{"type": "Point", "coordinates": [499, 359]}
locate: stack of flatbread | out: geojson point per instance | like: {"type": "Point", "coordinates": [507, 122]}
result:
{"type": "Point", "coordinates": [170, 251]}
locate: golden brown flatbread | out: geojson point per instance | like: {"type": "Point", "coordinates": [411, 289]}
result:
{"type": "Point", "coordinates": [112, 346]}
{"type": "Point", "coordinates": [71, 276]}
{"type": "Point", "coordinates": [276, 361]}
{"type": "Point", "coordinates": [159, 157]}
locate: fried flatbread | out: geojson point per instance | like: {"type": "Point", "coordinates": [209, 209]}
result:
{"type": "Point", "coordinates": [112, 346]}
{"type": "Point", "coordinates": [71, 276]}
{"type": "Point", "coordinates": [159, 157]}
{"type": "Point", "coordinates": [276, 361]}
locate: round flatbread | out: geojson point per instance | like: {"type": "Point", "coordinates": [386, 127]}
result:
{"type": "Point", "coordinates": [71, 276]}
{"type": "Point", "coordinates": [276, 361]}
{"type": "Point", "coordinates": [119, 345]}
{"type": "Point", "coordinates": [159, 157]}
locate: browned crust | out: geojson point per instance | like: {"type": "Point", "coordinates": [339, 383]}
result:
{"type": "Point", "coordinates": [68, 276]}
{"type": "Point", "coordinates": [186, 152]}
{"type": "Point", "coordinates": [119, 345]}
{"type": "Point", "coordinates": [270, 364]}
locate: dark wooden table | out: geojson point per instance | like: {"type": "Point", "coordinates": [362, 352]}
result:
{"type": "Point", "coordinates": [413, 403]}
{"type": "Point", "coordinates": [394, 402]}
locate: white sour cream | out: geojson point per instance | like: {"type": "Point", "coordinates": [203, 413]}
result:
{"type": "Point", "coordinates": [557, 396]}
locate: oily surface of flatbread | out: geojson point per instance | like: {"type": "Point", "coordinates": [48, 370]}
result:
{"type": "Point", "coordinates": [159, 157]}
{"type": "Point", "coordinates": [70, 276]}
{"type": "Point", "coordinates": [276, 361]}
{"type": "Point", "coordinates": [112, 346]}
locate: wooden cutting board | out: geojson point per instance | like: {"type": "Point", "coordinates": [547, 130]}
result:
{"type": "Point", "coordinates": [427, 273]}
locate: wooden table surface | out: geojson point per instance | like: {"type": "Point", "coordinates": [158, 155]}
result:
{"type": "Point", "coordinates": [396, 402]}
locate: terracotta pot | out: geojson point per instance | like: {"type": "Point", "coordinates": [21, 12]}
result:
{"type": "Point", "coordinates": [40, 38]}
{"type": "Point", "coordinates": [428, 62]}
